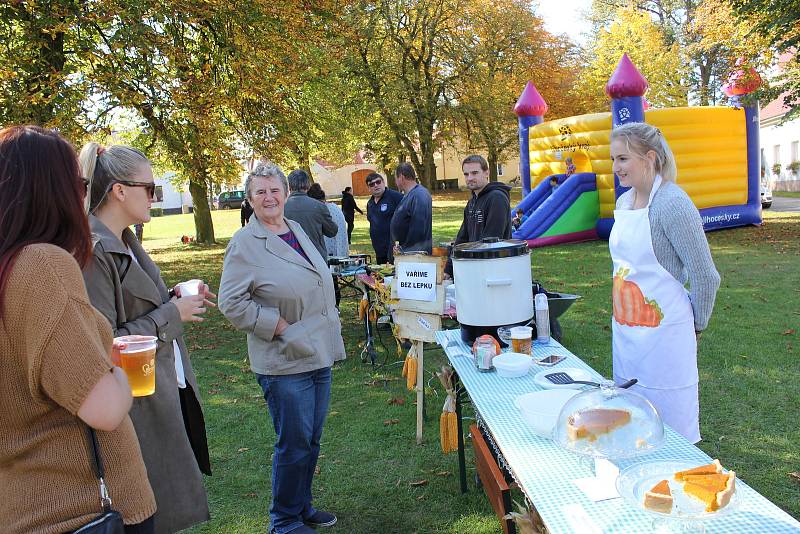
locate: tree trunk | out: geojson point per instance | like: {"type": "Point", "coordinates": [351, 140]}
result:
{"type": "Point", "coordinates": [427, 172]}
{"type": "Point", "coordinates": [492, 160]}
{"type": "Point", "coordinates": [203, 224]}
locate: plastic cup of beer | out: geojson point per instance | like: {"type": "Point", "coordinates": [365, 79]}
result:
{"type": "Point", "coordinates": [190, 287]}
{"type": "Point", "coordinates": [521, 339]}
{"type": "Point", "coordinates": [137, 357]}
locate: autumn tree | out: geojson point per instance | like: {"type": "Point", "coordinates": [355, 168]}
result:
{"type": "Point", "coordinates": [777, 22]}
{"type": "Point", "coordinates": [40, 58]}
{"type": "Point", "coordinates": [635, 33]}
{"type": "Point", "coordinates": [505, 46]}
{"type": "Point", "coordinates": [710, 39]}
{"type": "Point", "coordinates": [402, 51]}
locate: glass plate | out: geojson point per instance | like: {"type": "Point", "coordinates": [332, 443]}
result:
{"type": "Point", "coordinates": [637, 479]}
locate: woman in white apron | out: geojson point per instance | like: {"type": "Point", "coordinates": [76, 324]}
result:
{"type": "Point", "coordinates": [657, 244]}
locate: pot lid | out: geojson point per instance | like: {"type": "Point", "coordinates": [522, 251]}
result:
{"type": "Point", "coordinates": [490, 248]}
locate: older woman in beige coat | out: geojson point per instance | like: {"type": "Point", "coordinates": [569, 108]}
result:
{"type": "Point", "coordinates": [125, 285]}
{"type": "Point", "coordinates": [277, 288]}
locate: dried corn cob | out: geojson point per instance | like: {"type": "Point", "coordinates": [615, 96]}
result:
{"type": "Point", "coordinates": [444, 432]}
{"type": "Point", "coordinates": [411, 377]}
{"type": "Point", "coordinates": [452, 430]}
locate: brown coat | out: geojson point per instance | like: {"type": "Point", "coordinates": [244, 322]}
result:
{"type": "Point", "coordinates": [54, 348]}
{"type": "Point", "coordinates": [136, 301]}
{"type": "Point", "coordinates": [263, 279]}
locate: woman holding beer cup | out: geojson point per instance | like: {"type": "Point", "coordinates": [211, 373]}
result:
{"type": "Point", "coordinates": [126, 287]}
{"type": "Point", "coordinates": [277, 288]}
{"type": "Point", "coordinates": [55, 373]}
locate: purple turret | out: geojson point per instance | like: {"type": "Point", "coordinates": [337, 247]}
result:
{"type": "Point", "coordinates": [626, 88]}
{"type": "Point", "coordinates": [530, 110]}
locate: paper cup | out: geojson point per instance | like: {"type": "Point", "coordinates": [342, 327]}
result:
{"type": "Point", "coordinates": [190, 287]}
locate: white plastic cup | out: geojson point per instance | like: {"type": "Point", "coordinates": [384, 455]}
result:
{"type": "Point", "coordinates": [190, 288]}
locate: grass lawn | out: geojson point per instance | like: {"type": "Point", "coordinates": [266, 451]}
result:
{"type": "Point", "coordinates": [788, 194]}
{"type": "Point", "coordinates": [749, 384]}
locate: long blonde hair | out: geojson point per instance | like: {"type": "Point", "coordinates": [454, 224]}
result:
{"type": "Point", "coordinates": [642, 138]}
{"type": "Point", "coordinates": [103, 166]}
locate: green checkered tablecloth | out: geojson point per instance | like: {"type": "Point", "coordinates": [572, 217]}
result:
{"type": "Point", "coordinates": [545, 472]}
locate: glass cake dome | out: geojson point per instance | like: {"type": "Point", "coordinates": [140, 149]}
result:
{"type": "Point", "coordinates": [609, 422]}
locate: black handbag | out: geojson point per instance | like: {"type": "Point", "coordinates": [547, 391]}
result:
{"type": "Point", "coordinates": [109, 521]}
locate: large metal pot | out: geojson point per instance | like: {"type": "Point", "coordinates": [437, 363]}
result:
{"type": "Point", "coordinates": [493, 285]}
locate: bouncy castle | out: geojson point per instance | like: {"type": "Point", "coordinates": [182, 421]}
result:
{"type": "Point", "coordinates": [716, 150]}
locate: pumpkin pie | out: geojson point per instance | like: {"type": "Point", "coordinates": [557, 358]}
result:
{"type": "Point", "coordinates": [659, 498]}
{"type": "Point", "coordinates": [714, 480]}
{"type": "Point", "coordinates": [711, 494]}
{"type": "Point", "coordinates": [708, 469]}
{"type": "Point", "coordinates": [594, 422]}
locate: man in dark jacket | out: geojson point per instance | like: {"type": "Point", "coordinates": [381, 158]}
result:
{"type": "Point", "coordinates": [413, 219]}
{"type": "Point", "coordinates": [349, 208]}
{"type": "Point", "coordinates": [380, 209]}
{"type": "Point", "coordinates": [312, 214]}
{"type": "Point", "coordinates": [245, 212]}
{"type": "Point", "coordinates": [488, 212]}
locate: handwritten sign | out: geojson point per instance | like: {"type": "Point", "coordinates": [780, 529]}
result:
{"type": "Point", "coordinates": [416, 281]}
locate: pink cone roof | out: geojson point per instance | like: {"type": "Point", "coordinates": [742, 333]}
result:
{"type": "Point", "coordinates": [742, 81]}
{"type": "Point", "coordinates": [626, 80]}
{"type": "Point", "coordinates": [530, 103]}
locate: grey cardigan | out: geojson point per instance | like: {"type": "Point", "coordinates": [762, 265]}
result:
{"type": "Point", "coordinates": [136, 301]}
{"type": "Point", "coordinates": [263, 279]}
{"type": "Point", "coordinates": [681, 247]}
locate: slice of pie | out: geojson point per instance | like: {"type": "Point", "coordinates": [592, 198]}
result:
{"type": "Point", "coordinates": [659, 498]}
{"type": "Point", "coordinates": [714, 480]}
{"type": "Point", "coordinates": [708, 469]}
{"type": "Point", "coordinates": [594, 422]}
{"type": "Point", "coordinates": [710, 494]}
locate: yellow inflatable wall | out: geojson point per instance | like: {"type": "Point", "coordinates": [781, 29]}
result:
{"type": "Point", "coordinates": [710, 147]}
{"type": "Point", "coordinates": [709, 143]}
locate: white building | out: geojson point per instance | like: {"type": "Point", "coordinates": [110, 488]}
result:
{"type": "Point", "coordinates": [169, 198]}
{"type": "Point", "coordinates": [780, 145]}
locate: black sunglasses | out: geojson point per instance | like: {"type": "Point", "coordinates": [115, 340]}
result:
{"type": "Point", "coordinates": [373, 182]}
{"type": "Point", "coordinates": [151, 187]}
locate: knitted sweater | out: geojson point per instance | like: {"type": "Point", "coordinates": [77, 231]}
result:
{"type": "Point", "coordinates": [54, 348]}
{"type": "Point", "coordinates": [681, 247]}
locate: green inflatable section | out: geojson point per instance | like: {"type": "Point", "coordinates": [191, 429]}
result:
{"type": "Point", "coordinates": [581, 216]}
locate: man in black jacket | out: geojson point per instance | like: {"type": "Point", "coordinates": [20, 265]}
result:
{"type": "Point", "coordinates": [349, 208]}
{"type": "Point", "coordinates": [488, 212]}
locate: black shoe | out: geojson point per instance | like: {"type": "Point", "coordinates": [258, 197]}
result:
{"type": "Point", "coordinates": [320, 519]}
{"type": "Point", "coordinates": [303, 529]}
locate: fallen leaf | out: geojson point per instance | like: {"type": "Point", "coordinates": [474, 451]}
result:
{"type": "Point", "coordinates": [251, 494]}
{"type": "Point", "coordinates": [789, 332]}
{"type": "Point", "coordinates": [391, 422]}
{"type": "Point", "coordinates": [443, 474]}
{"type": "Point", "coordinates": [399, 401]}
{"type": "Point", "coordinates": [316, 470]}
{"type": "Point", "coordinates": [795, 475]}
{"type": "Point", "coordinates": [418, 483]}
{"type": "Point", "coordinates": [333, 413]}
{"type": "Point", "coordinates": [420, 497]}
{"type": "Point", "coordinates": [243, 449]}
{"type": "Point", "coordinates": [362, 403]}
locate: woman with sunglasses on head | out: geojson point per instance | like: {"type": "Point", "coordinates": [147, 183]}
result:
{"type": "Point", "coordinates": [56, 374]}
{"type": "Point", "coordinates": [126, 286]}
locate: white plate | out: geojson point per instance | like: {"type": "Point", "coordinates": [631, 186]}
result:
{"type": "Point", "coordinates": [573, 372]}
{"type": "Point", "coordinates": [637, 479]}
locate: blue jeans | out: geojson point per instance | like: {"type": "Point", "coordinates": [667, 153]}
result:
{"type": "Point", "coordinates": [298, 405]}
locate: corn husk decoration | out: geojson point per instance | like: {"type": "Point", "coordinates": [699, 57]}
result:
{"type": "Point", "coordinates": [410, 368]}
{"type": "Point", "coordinates": [526, 520]}
{"type": "Point", "coordinates": [448, 421]}
{"type": "Point", "coordinates": [363, 307]}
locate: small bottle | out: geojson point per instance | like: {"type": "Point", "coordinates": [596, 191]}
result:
{"type": "Point", "coordinates": [542, 318]}
{"type": "Point", "coordinates": [484, 354]}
